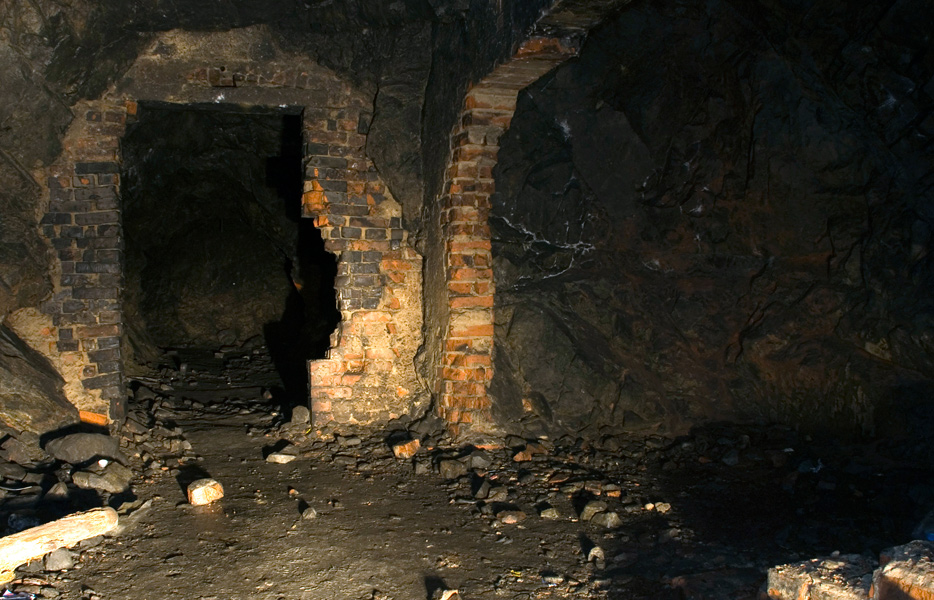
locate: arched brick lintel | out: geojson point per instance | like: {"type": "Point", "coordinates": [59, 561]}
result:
{"type": "Point", "coordinates": [466, 368]}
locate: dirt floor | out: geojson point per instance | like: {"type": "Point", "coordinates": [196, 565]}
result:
{"type": "Point", "coordinates": [702, 516]}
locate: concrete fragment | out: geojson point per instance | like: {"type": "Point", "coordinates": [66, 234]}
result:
{"type": "Point", "coordinates": [844, 577]}
{"type": "Point", "coordinates": [906, 573]}
{"type": "Point", "coordinates": [204, 491]}
{"type": "Point", "coordinates": [406, 449]}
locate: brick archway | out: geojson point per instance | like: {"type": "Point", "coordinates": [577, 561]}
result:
{"type": "Point", "coordinates": [369, 373]}
{"type": "Point", "coordinates": [466, 368]}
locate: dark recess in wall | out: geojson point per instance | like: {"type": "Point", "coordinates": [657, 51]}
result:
{"type": "Point", "coordinates": [217, 253]}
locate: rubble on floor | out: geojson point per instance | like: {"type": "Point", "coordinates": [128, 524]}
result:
{"type": "Point", "coordinates": [902, 573]}
{"type": "Point", "coordinates": [705, 515]}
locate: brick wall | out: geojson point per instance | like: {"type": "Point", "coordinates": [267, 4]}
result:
{"type": "Point", "coordinates": [466, 367]}
{"type": "Point", "coordinates": [82, 223]}
{"type": "Point", "coordinates": [369, 373]}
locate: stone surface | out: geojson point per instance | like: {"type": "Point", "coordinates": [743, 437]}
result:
{"type": "Point", "coordinates": [81, 448]}
{"type": "Point", "coordinates": [114, 478]}
{"type": "Point", "coordinates": [451, 469]}
{"type": "Point", "coordinates": [845, 577]}
{"type": "Point", "coordinates": [673, 241]}
{"type": "Point", "coordinates": [301, 415]}
{"type": "Point", "coordinates": [59, 560]}
{"type": "Point", "coordinates": [31, 397]}
{"type": "Point", "coordinates": [609, 519]}
{"type": "Point", "coordinates": [591, 509]}
{"type": "Point", "coordinates": [905, 573]}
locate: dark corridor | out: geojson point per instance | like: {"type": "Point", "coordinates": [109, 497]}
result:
{"type": "Point", "coordinates": [219, 262]}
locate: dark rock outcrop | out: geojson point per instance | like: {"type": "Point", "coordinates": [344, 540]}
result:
{"type": "Point", "coordinates": [31, 398]}
{"type": "Point", "coordinates": [717, 212]}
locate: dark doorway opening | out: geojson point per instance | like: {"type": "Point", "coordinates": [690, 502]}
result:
{"type": "Point", "coordinates": [220, 265]}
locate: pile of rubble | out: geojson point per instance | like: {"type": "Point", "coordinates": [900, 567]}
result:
{"type": "Point", "coordinates": [45, 478]}
{"type": "Point", "coordinates": [901, 573]}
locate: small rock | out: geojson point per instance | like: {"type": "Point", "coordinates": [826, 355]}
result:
{"type": "Point", "coordinates": [510, 517]}
{"type": "Point", "coordinates": [204, 491]}
{"type": "Point", "coordinates": [528, 452]}
{"type": "Point", "coordinates": [349, 441]}
{"type": "Point", "coordinates": [57, 492]}
{"type": "Point", "coordinates": [550, 513]}
{"type": "Point", "coordinates": [592, 508]}
{"type": "Point", "coordinates": [731, 458]}
{"type": "Point", "coordinates": [309, 513]}
{"type": "Point", "coordinates": [12, 471]}
{"type": "Point", "coordinates": [280, 458]}
{"type": "Point", "coordinates": [552, 580]}
{"type": "Point", "coordinates": [597, 556]}
{"type": "Point", "coordinates": [479, 460]}
{"type": "Point", "coordinates": [499, 493]}
{"type": "Point", "coordinates": [483, 490]}
{"type": "Point", "coordinates": [80, 448]}
{"type": "Point", "coordinates": [115, 478]}
{"type": "Point", "coordinates": [451, 469]}
{"type": "Point", "coordinates": [406, 449]}
{"type": "Point", "coordinates": [59, 560]}
{"type": "Point", "coordinates": [607, 519]}
{"type": "Point", "coordinates": [301, 415]}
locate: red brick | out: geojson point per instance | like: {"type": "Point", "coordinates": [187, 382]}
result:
{"type": "Point", "coordinates": [472, 301]}
{"type": "Point", "coordinates": [380, 353]}
{"type": "Point", "coordinates": [350, 380]}
{"type": "Point", "coordinates": [474, 331]}
{"type": "Point", "coordinates": [407, 449]}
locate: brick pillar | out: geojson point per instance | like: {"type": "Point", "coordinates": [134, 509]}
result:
{"type": "Point", "coordinates": [84, 227]}
{"type": "Point", "coordinates": [466, 368]}
{"type": "Point", "coordinates": [369, 372]}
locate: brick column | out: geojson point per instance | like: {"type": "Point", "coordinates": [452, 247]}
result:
{"type": "Point", "coordinates": [84, 227]}
{"type": "Point", "coordinates": [467, 355]}
{"type": "Point", "coordinates": [369, 372]}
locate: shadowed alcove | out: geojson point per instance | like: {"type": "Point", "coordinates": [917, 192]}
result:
{"type": "Point", "coordinates": [218, 258]}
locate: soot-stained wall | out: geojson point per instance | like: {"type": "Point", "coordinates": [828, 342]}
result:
{"type": "Point", "coordinates": [721, 211]}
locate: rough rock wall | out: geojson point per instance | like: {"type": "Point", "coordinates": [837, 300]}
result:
{"type": "Point", "coordinates": [722, 211]}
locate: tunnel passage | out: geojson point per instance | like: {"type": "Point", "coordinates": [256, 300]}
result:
{"type": "Point", "coordinates": [218, 258]}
